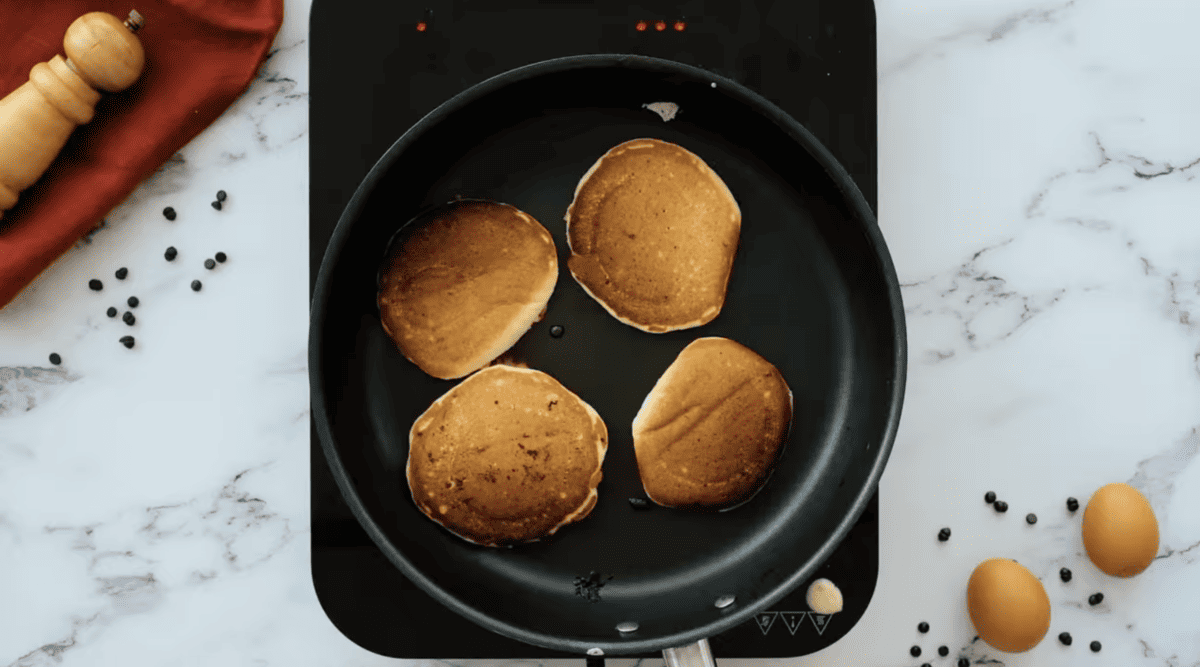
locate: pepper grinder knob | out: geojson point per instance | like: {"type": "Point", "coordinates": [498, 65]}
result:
{"type": "Point", "coordinates": [103, 55]}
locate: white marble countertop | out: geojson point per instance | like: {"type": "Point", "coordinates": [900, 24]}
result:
{"type": "Point", "coordinates": [1039, 193]}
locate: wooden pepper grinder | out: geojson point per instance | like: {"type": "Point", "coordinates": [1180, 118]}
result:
{"type": "Point", "coordinates": [103, 54]}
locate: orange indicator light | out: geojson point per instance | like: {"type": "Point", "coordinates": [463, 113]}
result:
{"type": "Point", "coordinates": [679, 26]}
{"type": "Point", "coordinates": [641, 26]}
{"type": "Point", "coordinates": [421, 26]}
{"type": "Point", "coordinates": [660, 26]}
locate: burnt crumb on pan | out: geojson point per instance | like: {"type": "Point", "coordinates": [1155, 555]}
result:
{"type": "Point", "coordinates": [589, 587]}
{"type": "Point", "coordinates": [665, 110]}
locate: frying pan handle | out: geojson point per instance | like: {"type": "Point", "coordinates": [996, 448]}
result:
{"type": "Point", "coordinates": [692, 655]}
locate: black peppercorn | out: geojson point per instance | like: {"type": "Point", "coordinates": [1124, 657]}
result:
{"type": "Point", "coordinates": [221, 195]}
{"type": "Point", "coordinates": [1095, 599]}
{"type": "Point", "coordinates": [915, 651]}
{"type": "Point", "coordinates": [169, 213]}
{"type": "Point", "coordinates": [55, 359]}
{"type": "Point", "coordinates": [922, 627]}
{"type": "Point", "coordinates": [121, 273]}
{"type": "Point", "coordinates": [926, 664]}
{"type": "Point", "coordinates": [133, 302]}
{"type": "Point", "coordinates": [943, 534]}
{"type": "Point", "coordinates": [95, 284]}
{"type": "Point", "coordinates": [943, 651]}
{"type": "Point", "coordinates": [216, 205]}
{"type": "Point", "coordinates": [195, 285]}
{"type": "Point", "coordinates": [1064, 574]}
{"type": "Point", "coordinates": [1065, 638]}
{"type": "Point", "coordinates": [1072, 504]}
{"type": "Point", "coordinates": [963, 662]}
{"type": "Point", "coordinates": [221, 257]}
{"type": "Point", "coordinates": [127, 341]}
{"type": "Point", "coordinates": [557, 331]}
{"type": "Point", "coordinates": [1031, 518]}
{"type": "Point", "coordinates": [1000, 506]}
{"type": "Point", "coordinates": [1095, 646]}
{"type": "Point", "coordinates": [209, 264]}
{"type": "Point", "coordinates": [112, 312]}
{"type": "Point", "coordinates": [639, 503]}
{"type": "Point", "coordinates": [989, 497]}
{"type": "Point", "coordinates": [170, 253]}
{"type": "Point", "coordinates": [128, 318]}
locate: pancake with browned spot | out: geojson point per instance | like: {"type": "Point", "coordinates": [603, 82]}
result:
{"type": "Point", "coordinates": [466, 285]}
{"type": "Point", "coordinates": [509, 455]}
{"type": "Point", "coordinates": [709, 433]}
{"type": "Point", "coordinates": [653, 231]}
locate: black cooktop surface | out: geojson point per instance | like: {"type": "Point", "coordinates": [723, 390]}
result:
{"type": "Point", "coordinates": [376, 68]}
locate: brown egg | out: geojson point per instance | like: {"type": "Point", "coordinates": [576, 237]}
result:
{"type": "Point", "coordinates": [1120, 532]}
{"type": "Point", "coordinates": [1008, 605]}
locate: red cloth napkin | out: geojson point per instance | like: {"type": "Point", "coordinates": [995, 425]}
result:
{"type": "Point", "coordinates": [201, 55]}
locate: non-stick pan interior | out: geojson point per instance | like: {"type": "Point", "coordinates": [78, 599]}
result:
{"type": "Point", "coordinates": [812, 291]}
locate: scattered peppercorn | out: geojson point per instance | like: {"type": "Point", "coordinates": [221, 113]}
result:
{"type": "Point", "coordinates": [943, 651]}
{"type": "Point", "coordinates": [195, 285]}
{"type": "Point", "coordinates": [922, 627]}
{"type": "Point", "coordinates": [209, 264]}
{"type": "Point", "coordinates": [171, 253]}
{"type": "Point", "coordinates": [55, 359]}
{"type": "Point", "coordinates": [127, 341]}
{"type": "Point", "coordinates": [1095, 599]}
{"type": "Point", "coordinates": [221, 257]}
{"type": "Point", "coordinates": [639, 503]}
{"type": "Point", "coordinates": [122, 272]}
{"type": "Point", "coordinates": [926, 664]}
{"type": "Point", "coordinates": [1095, 646]}
{"type": "Point", "coordinates": [1065, 638]}
{"type": "Point", "coordinates": [1072, 504]}
{"type": "Point", "coordinates": [169, 213]}
{"type": "Point", "coordinates": [989, 497]}
{"type": "Point", "coordinates": [112, 312]}
{"type": "Point", "coordinates": [943, 534]}
{"type": "Point", "coordinates": [133, 302]}
{"type": "Point", "coordinates": [557, 331]}
{"type": "Point", "coordinates": [1064, 574]}
{"type": "Point", "coordinates": [1000, 506]}
{"type": "Point", "coordinates": [1031, 518]}
{"type": "Point", "coordinates": [216, 205]}
{"type": "Point", "coordinates": [963, 662]}
{"type": "Point", "coordinates": [915, 651]}
{"type": "Point", "coordinates": [128, 318]}
{"type": "Point", "coordinates": [95, 284]}
{"type": "Point", "coordinates": [221, 195]}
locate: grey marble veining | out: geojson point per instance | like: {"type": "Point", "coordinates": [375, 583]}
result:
{"type": "Point", "coordinates": [1038, 193]}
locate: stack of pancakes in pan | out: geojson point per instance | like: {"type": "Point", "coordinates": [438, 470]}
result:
{"type": "Point", "coordinates": [510, 455]}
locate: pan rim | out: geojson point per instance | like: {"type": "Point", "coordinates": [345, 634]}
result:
{"type": "Point", "coordinates": [854, 199]}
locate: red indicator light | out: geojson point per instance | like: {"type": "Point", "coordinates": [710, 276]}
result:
{"type": "Point", "coordinates": [660, 26]}
{"type": "Point", "coordinates": [679, 26]}
{"type": "Point", "coordinates": [421, 26]}
{"type": "Point", "coordinates": [641, 26]}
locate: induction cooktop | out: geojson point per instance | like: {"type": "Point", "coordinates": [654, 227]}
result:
{"type": "Point", "coordinates": [376, 68]}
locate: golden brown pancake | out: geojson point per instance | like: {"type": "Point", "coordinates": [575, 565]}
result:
{"type": "Point", "coordinates": [464, 287]}
{"type": "Point", "coordinates": [509, 455]}
{"type": "Point", "coordinates": [710, 431]}
{"type": "Point", "coordinates": [653, 231]}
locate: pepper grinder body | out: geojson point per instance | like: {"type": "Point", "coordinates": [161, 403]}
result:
{"type": "Point", "coordinates": [36, 119]}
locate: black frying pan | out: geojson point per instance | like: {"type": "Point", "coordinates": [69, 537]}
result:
{"type": "Point", "coordinates": [813, 291]}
